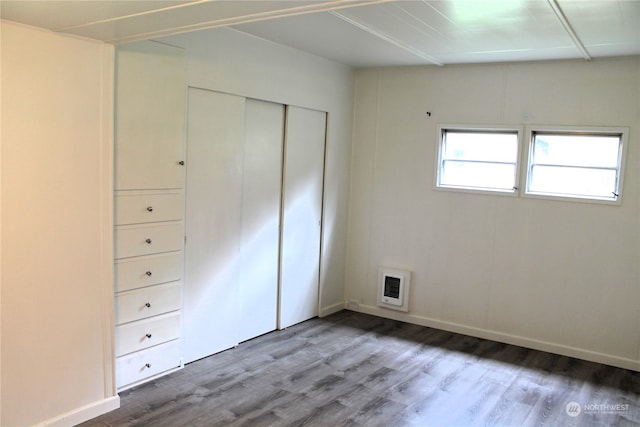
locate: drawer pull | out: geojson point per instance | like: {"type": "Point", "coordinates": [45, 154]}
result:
{"type": "Point", "coordinates": [150, 208]}
{"type": "Point", "coordinates": [147, 365]}
{"type": "Point", "coordinates": [148, 305]}
{"type": "Point", "coordinates": [148, 241]}
{"type": "Point", "coordinates": [148, 335]}
{"type": "Point", "coordinates": [148, 273]}
{"type": "Point", "coordinates": [181, 162]}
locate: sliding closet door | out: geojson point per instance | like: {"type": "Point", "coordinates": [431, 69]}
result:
{"type": "Point", "coordinates": [215, 154]}
{"type": "Point", "coordinates": [264, 134]}
{"type": "Point", "coordinates": [302, 215]}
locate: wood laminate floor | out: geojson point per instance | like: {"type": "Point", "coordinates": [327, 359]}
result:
{"type": "Point", "coordinates": [351, 369]}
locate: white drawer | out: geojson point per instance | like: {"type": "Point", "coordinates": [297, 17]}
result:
{"type": "Point", "coordinates": [146, 333]}
{"type": "Point", "coordinates": [136, 240]}
{"type": "Point", "coordinates": [136, 208]}
{"type": "Point", "coordinates": [143, 364]}
{"type": "Point", "coordinates": [133, 273]}
{"type": "Point", "coordinates": [148, 302]}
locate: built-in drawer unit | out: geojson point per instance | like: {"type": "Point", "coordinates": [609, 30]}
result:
{"type": "Point", "coordinates": [144, 364]}
{"type": "Point", "coordinates": [146, 239]}
{"type": "Point", "coordinates": [138, 272]}
{"type": "Point", "coordinates": [147, 302]}
{"type": "Point", "coordinates": [134, 207]}
{"type": "Point", "coordinates": [149, 203]}
{"type": "Point", "coordinates": [146, 333]}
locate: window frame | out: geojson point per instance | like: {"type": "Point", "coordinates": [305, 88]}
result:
{"type": "Point", "coordinates": [443, 128]}
{"type": "Point", "coordinates": [531, 131]}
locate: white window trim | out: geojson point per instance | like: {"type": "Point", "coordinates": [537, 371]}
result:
{"type": "Point", "coordinates": [622, 155]}
{"type": "Point", "coordinates": [478, 128]}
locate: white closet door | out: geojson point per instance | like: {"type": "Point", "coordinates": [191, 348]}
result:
{"type": "Point", "coordinates": [302, 215]}
{"type": "Point", "coordinates": [213, 211]}
{"type": "Point", "coordinates": [264, 133]}
{"type": "Point", "coordinates": [149, 129]}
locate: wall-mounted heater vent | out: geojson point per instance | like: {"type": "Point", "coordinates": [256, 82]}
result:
{"type": "Point", "coordinates": [393, 288]}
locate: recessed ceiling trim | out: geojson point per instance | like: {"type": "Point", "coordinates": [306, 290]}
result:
{"type": "Point", "coordinates": [413, 17]}
{"type": "Point", "coordinates": [133, 15]}
{"type": "Point", "coordinates": [569, 29]}
{"type": "Point", "coordinates": [383, 36]}
{"type": "Point", "coordinates": [436, 10]}
{"type": "Point", "coordinates": [226, 22]}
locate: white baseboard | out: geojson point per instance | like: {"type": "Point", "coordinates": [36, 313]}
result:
{"type": "Point", "coordinates": [326, 311]}
{"type": "Point", "coordinates": [83, 413]}
{"type": "Point", "coordinates": [549, 347]}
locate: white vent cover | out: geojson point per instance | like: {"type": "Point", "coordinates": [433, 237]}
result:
{"type": "Point", "coordinates": [393, 288]}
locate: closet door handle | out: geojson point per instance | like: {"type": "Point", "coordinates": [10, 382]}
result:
{"type": "Point", "coordinates": [148, 335]}
{"type": "Point", "coordinates": [150, 208]}
{"type": "Point", "coordinates": [148, 241]}
{"type": "Point", "coordinates": [181, 162]}
{"type": "Point", "coordinates": [147, 365]}
{"type": "Point", "coordinates": [148, 273]}
{"type": "Point", "coordinates": [148, 305]}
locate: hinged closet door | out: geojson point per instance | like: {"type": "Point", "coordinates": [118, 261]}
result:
{"type": "Point", "coordinates": [302, 215]}
{"type": "Point", "coordinates": [213, 214]}
{"type": "Point", "coordinates": [150, 103]}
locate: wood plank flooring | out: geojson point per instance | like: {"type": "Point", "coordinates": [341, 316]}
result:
{"type": "Point", "coordinates": [351, 369]}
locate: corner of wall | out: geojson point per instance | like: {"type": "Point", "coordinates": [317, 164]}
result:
{"type": "Point", "coordinates": [107, 220]}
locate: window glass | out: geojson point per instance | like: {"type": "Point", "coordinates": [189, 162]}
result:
{"type": "Point", "coordinates": [492, 147]}
{"type": "Point", "coordinates": [579, 182]}
{"type": "Point", "coordinates": [478, 175]}
{"type": "Point", "coordinates": [577, 150]}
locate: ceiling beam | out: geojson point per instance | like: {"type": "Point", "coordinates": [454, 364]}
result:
{"type": "Point", "coordinates": [569, 29]}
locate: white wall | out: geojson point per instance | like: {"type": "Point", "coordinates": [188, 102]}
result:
{"type": "Point", "coordinates": [56, 228]}
{"type": "Point", "coordinates": [553, 275]}
{"type": "Point", "coordinates": [229, 61]}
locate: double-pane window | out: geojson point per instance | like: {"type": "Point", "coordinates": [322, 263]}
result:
{"type": "Point", "coordinates": [478, 159]}
{"type": "Point", "coordinates": [575, 164]}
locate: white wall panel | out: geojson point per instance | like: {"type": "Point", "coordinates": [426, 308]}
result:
{"type": "Point", "coordinates": [57, 283]}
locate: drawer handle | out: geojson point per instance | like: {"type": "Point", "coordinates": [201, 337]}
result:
{"type": "Point", "coordinates": [181, 162]}
{"type": "Point", "coordinates": [148, 305]}
{"type": "Point", "coordinates": [148, 241]}
{"type": "Point", "coordinates": [150, 208]}
{"type": "Point", "coordinates": [148, 335]}
{"type": "Point", "coordinates": [148, 273]}
{"type": "Point", "coordinates": [147, 365]}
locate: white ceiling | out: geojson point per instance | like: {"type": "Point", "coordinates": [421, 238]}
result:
{"type": "Point", "coordinates": [365, 33]}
